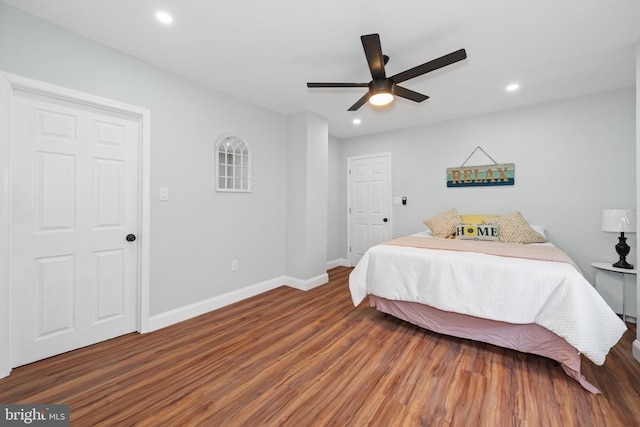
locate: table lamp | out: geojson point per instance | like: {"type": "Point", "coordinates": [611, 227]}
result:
{"type": "Point", "coordinates": [620, 221]}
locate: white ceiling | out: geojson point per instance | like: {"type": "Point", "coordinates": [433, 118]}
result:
{"type": "Point", "coordinates": [264, 52]}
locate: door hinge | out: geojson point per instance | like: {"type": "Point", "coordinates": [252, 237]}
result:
{"type": "Point", "coordinates": [349, 249]}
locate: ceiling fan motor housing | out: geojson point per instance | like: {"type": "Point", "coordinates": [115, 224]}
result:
{"type": "Point", "coordinates": [381, 86]}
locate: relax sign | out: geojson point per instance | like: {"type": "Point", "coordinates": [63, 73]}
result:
{"type": "Point", "coordinates": [481, 176]}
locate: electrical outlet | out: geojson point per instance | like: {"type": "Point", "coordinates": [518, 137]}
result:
{"type": "Point", "coordinates": [234, 265]}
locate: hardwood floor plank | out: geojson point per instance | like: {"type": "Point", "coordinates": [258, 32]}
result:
{"type": "Point", "coordinates": [291, 358]}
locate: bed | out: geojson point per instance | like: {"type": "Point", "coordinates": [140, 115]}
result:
{"type": "Point", "coordinates": [527, 297]}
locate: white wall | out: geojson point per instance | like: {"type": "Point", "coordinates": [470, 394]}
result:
{"type": "Point", "coordinates": [573, 158]}
{"type": "Point", "coordinates": [196, 234]}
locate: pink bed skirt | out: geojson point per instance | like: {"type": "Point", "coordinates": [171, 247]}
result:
{"type": "Point", "coordinates": [528, 338]}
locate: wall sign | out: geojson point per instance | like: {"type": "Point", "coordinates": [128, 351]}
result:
{"type": "Point", "coordinates": [481, 176]}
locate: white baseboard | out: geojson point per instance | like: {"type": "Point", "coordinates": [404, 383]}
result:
{"type": "Point", "coordinates": [338, 262]}
{"type": "Point", "coordinates": [177, 315]}
{"type": "Point", "coordinates": [636, 349]}
{"type": "Point", "coordinates": [306, 285]}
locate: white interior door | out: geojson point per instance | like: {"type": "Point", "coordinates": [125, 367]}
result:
{"type": "Point", "coordinates": [369, 203]}
{"type": "Point", "coordinates": [74, 275]}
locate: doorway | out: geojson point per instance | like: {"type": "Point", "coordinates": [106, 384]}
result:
{"type": "Point", "coordinates": [369, 203]}
{"type": "Point", "coordinates": [77, 218]}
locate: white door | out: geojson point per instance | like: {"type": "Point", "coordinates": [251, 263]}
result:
{"type": "Point", "coordinates": [74, 275]}
{"type": "Point", "coordinates": [369, 203]}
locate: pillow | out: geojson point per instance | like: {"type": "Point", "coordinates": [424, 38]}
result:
{"type": "Point", "coordinates": [444, 224]}
{"type": "Point", "coordinates": [540, 229]}
{"type": "Point", "coordinates": [476, 219]}
{"type": "Point", "coordinates": [477, 232]}
{"type": "Point", "coordinates": [514, 229]}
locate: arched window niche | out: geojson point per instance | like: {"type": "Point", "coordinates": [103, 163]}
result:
{"type": "Point", "coordinates": [233, 164]}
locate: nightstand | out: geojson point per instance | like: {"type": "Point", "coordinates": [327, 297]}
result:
{"type": "Point", "coordinates": [618, 287]}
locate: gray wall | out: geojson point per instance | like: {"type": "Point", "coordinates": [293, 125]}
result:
{"type": "Point", "coordinates": [196, 234]}
{"type": "Point", "coordinates": [573, 158]}
{"type": "Point", "coordinates": [306, 229]}
{"type": "Point", "coordinates": [337, 203]}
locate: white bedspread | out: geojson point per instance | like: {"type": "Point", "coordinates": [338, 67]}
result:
{"type": "Point", "coordinates": [553, 295]}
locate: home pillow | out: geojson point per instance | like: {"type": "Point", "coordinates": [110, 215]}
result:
{"type": "Point", "coordinates": [477, 232]}
{"type": "Point", "coordinates": [514, 229]}
{"type": "Point", "coordinates": [444, 224]}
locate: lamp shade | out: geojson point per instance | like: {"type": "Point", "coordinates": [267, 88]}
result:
{"type": "Point", "coordinates": [619, 220]}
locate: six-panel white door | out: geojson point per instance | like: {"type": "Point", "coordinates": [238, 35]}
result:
{"type": "Point", "coordinates": [74, 276]}
{"type": "Point", "coordinates": [369, 203]}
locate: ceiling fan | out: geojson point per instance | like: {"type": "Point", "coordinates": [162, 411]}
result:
{"type": "Point", "coordinates": [382, 88]}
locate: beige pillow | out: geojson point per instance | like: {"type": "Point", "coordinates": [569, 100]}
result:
{"type": "Point", "coordinates": [514, 229]}
{"type": "Point", "coordinates": [444, 224]}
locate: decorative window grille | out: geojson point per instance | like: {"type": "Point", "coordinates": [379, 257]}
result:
{"type": "Point", "coordinates": [233, 162]}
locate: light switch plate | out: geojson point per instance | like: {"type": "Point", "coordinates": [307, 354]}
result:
{"type": "Point", "coordinates": [164, 193]}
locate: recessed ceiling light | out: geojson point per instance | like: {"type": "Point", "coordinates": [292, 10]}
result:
{"type": "Point", "coordinates": [513, 86]}
{"type": "Point", "coordinates": [164, 17]}
{"type": "Point", "coordinates": [357, 121]}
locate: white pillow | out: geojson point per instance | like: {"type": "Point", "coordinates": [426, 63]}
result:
{"type": "Point", "coordinates": [477, 232]}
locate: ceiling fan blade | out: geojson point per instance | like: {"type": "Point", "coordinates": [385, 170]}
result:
{"type": "Point", "coordinates": [409, 94]}
{"type": "Point", "coordinates": [373, 52]}
{"type": "Point", "coordinates": [337, 84]}
{"type": "Point", "coordinates": [359, 103]}
{"type": "Point", "coordinates": [427, 67]}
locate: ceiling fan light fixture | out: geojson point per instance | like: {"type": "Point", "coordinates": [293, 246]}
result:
{"type": "Point", "coordinates": [381, 98]}
{"type": "Point", "coordinates": [381, 91]}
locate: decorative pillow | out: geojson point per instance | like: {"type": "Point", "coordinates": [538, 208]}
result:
{"type": "Point", "coordinates": [444, 224]}
{"type": "Point", "coordinates": [514, 228]}
{"type": "Point", "coordinates": [476, 219]}
{"type": "Point", "coordinates": [539, 229]}
{"type": "Point", "coordinates": [477, 232]}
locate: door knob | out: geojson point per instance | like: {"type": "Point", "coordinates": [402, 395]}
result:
{"type": "Point", "coordinates": [131, 237]}
{"type": "Point", "coordinates": [385, 219]}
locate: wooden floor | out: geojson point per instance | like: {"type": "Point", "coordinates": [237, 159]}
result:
{"type": "Point", "coordinates": [295, 358]}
